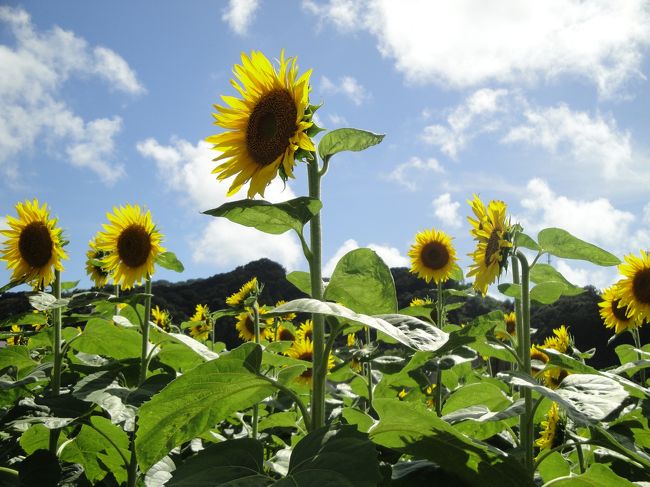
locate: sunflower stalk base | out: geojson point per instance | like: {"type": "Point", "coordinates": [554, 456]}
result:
{"type": "Point", "coordinates": [58, 355]}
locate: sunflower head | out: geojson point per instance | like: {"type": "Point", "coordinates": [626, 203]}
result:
{"type": "Point", "coordinates": [560, 341]}
{"type": "Point", "coordinates": [288, 316]}
{"type": "Point", "coordinates": [537, 355]}
{"type": "Point", "coordinates": [34, 245]}
{"type": "Point", "coordinates": [421, 302]}
{"type": "Point", "coordinates": [433, 257]}
{"type": "Point", "coordinates": [613, 314]}
{"type": "Point", "coordinates": [132, 244]}
{"type": "Point", "coordinates": [246, 327]}
{"type": "Point", "coordinates": [249, 289]}
{"type": "Point", "coordinates": [202, 313]}
{"type": "Point", "coordinates": [268, 128]}
{"type": "Point", "coordinates": [511, 323]}
{"type": "Point", "coordinates": [493, 234]}
{"type": "Point", "coordinates": [200, 331]}
{"type": "Point", "coordinates": [306, 330]}
{"type": "Point", "coordinates": [551, 434]}
{"type": "Point", "coordinates": [94, 266]}
{"type": "Point", "coordinates": [284, 333]}
{"type": "Point", "coordinates": [160, 317]}
{"type": "Point", "coordinates": [634, 288]}
{"type": "Point", "coordinates": [303, 349]}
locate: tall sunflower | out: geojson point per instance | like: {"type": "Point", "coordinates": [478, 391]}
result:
{"type": "Point", "coordinates": [551, 435]}
{"type": "Point", "coordinates": [634, 288]}
{"type": "Point", "coordinates": [34, 245]}
{"type": "Point", "coordinates": [202, 313]}
{"type": "Point", "coordinates": [237, 299]}
{"type": "Point", "coordinates": [613, 314]}
{"type": "Point", "coordinates": [132, 243]}
{"type": "Point", "coordinates": [264, 128]}
{"type": "Point", "coordinates": [493, 233]}
{"type": "Point", "coordinates": [96, 272]}
{"type": "Point", "coordinates": [246, 327]}
{"type": "Point", "coordinates": [303, 349]}
{"type": "Point", "coordinates": [433, 257]}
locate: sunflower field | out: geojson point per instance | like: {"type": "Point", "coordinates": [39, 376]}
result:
{"type": "Point", "coordinates": [341, 388]}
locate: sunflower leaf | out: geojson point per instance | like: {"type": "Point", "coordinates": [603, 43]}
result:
{"type": "Point", "coordinates": [523, 240]}
{"type": "Point", "coordinates": [346, 139]}
{"type": "Point", "coordinates": [273, 218]}
{"type": "Point", "coordinates": [561, 243]}
{"type": "Point", "coordinates": [168, 260]}
{"type": "Point", "coordinates": [597, 475]}
{"type": "Point", "coordinates": [302, 280]}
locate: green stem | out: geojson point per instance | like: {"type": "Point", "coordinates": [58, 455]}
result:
{"type": "Point", "coordinates": [637, 343]}
{"type": "Point", "coordinates": [368, 366]}
{"type": "Point", "coordinates": [518, 318]}
{"type": "Point", "coordinates": [256, 327]}
{"type": "Point", "coordinates": [296, 399]}
{"type": "Point", "coordinates": [58, 356]}
{"type": "Point", "coordinates": [526, 420]}
{"type": "Point", "coordinates": [145, 331]}
{"type": "Point", "coordinates": [439, 322]}
{"type": "Point", "coordinates": [581, 456]}
{"type": "Point", "coordinates": [9, 471]}
{"type": "Point", "coordinates": [319, 363]}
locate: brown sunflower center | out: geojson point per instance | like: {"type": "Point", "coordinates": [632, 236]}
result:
{"type": "Point", "coordinates": [435, 255]}
{"type": "Point", "coordinates": [511, 326]}
{"type": "Point", "coordinates": [492, 247]}
{"type": "Point", "coordinates": [134, 245]}
{"type": "Point", "coordinates": [306, 355]}
{"type": "Point", "coordinates": [270, 126]}
{"type": "Point", "coordinates": [285, 334]}
{"type": "Point", "coordinates": [641, 286]}
{"type": "Point", "coordinates": [619, 311]}
{"type": "Point", "coordinates": [250, 325]}
{"type": "Point", "coordinates": [35, 244]}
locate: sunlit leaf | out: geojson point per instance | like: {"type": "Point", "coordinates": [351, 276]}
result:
{"type": "Point", "coordinates": [597, 475]}
{"type": "Point", "coordinates": [561, 243]}
{"type": "Point", "coordinates": [168, 260]}
{"type": "Point", "coordinates": [346, 139]}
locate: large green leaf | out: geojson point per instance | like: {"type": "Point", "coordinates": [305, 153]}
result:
{"type": "Point", "coordinates": [198, 400]}
{"type": "Point", "coordinates": [410, 428]}
{"type": "Point", "coordinates": [554, 466]}
{"type": "Point", "coordinates": [346, 139]}
{"type": "Point", "coordinates": [302, 280]}
{"type": "Point", "coordinates": [407, 330]}
{"type": "Point", "coordinates": [343, 457]}
{"type": "Point", "coordinates": [480, 393]}
{"type": "Point", "coordinates": [597, 475]}
{"type": "Point", "coordinates": [101, 337]}
{"type": "Point", "coordinates": [362, 282]}
{"type": "Point", "coordinates": [168, 260]}
{"type": "Point", "coordinates": [232, 462]}
{"type": "Point", "coordinates": [587, 398]}
{"type": "Point", "coordinates": [561, 243]}
{"type": "Point", "coordinates": [523, 240]}
{"type": "Point", "coordinates": [17, 356]}
{"type": "Point", "coordinates": [267, 217]}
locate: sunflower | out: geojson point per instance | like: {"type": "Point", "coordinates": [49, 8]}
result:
{"type": "Point", "coordinates": [202, 313]}
{"type": "Point", "coordinates": [420, 302]}
{"type": "Point", "coordinates": [401, 395]}
{"type": "Point", "coordinates": [303, 349]}
{"type": "Point", "coordinates": [237, 299]}
{"type": "Point", "coordinates": [634, 289]}
{"type": "Point", "coordinates": [614, 315]}
{"type": "Point", "coordinates": [34, 245]}
{"type": "Point", "coordinates": [200, 331]}
{"type": "Point", "coordinates": [96, 272]}
{"type": "Point", "coordinates": [493, 233]}
{"type": "Point", "coordinates": [160, 317]}
{"type": "Point", "coordinates": [285, 317]}
{"type": "Point", "coordinates": [16, 339]}
{"type": "Point", "coordinates": [551, 435]}
{"type": "Point", "coordinates": [132, 243]}
{"type": "Point", "coordinates": [433, 257]}
{"type": "Point", "coordinates": [246, 327]}
{"type": "Point", "coordinates": [266, 127]}
{"type": "Point", "coordinates": [306, 330]}
{"type": "Point", "coordinates": [511, 323]}
{"type": "Point", "coordinates": [285, 333]}
{"type": "Point", "coordinates": [537, 354]}
{"type": "Point", "coordinates": [560, 342]}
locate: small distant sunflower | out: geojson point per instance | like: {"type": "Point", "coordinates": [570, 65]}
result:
{"type": "Point", "coordinates": [401, 395]}
{"type": "Point", "coordinates": [266, 127]}
{"type": "Point", "coordinates": [200, 331]}
{"type": "Point", "coordinates": [551, 435]}
{"type": "Point", "coordinates": [492, 231]}
{"type": "Point", "coordinates": [634, 288]}
{"type": "Point", "coordinates": [132, 243]}
{"type": "Point", "coordinates": [160, 317]}
{"type": "Point", "coordinates": [560, 342]}
{"type": "Point", "coordinates": [303, 349]}
{"type": "Point", "coordinates": [246, 328]}
{"type": "Point", "coordinates": [285, 317]}
{"type": "Point", "coordinates": [351, 340]}
{"type": "Point", "coordinates": [614, 315]}
{"type": "Point", "coordinates": [306, 330]}
{"type": "Point", "coordinates": [553, 376]}
{"type": "Point", "coordinates": [16, 339]}
{"type": "Point", "coordinates": [537, 354]}
{"type": "Point", "coordinates": [34, 245]}
{"type": "Point", "coordinates": [97, 273]}
{"type": "Point", "coordinates": [420, 302]}
{"type": "Point", "coordinates": [284, 333]}
{"type": "Point", "coordinates": [202, 313]}
{"type": "Point", "coordinates": [237, 299]}
{"type": "Point", "coordinates": [511, 323]}
{"type": "Point", "coordinates": [433, 257]}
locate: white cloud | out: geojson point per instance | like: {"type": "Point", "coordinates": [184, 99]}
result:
{"type": "Point", "coordinates": [469, 119]}
{"type": "Point", "coordinates": [403, 173]}
{"type": "Point", "coordinates": [583, 275]}
{"type": "Point", "coordinates": [447, 211]}
{"type": "Point", "coordinates": [239, 14]}
{"type": "Point", "coordinates": [595, 141]}
{"type": "Point", "coordinates": [31, 109]}
{"type": "Point", "coordinates": [348, 86]}
{"type": "Point", "coordinates": [390, 255]}
{"type": "Point", "coordinates": [337, 119]}
{"type": "Point", "coordinates": [646, 214]}
{"type": "Point", "coordinates": [471, 42]}
{"type": "Point", "coordinates": [187, 169]}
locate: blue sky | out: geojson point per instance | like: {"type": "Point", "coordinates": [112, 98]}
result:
{"type": "Point", "coordinates": [541, 104]}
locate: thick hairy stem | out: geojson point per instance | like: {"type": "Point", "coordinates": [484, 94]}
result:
{"type": "Point", "coordinates": [57, 346]}
{"type": "Point", "coordinates": [439, 322]}
{"type": "Point", "coordinates": [256, 327]}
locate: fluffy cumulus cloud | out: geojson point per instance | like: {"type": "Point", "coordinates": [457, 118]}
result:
{"type": "Point", "coordinates": [471, 42]}
{"type": "Point", "coordinates": [34, 71]}
{"type": "Point", "coordinates": [390, 255]}
{"type": "Point", "coordinates": [408, 173]}
{"type": "Point", "coordinates": [187, 169]}
{"type": "Point", "coordinates": [474, 116]}
{"type": "Point", "coordinates": [347, 86]}
{"type": "Point", "coordinates": [446, 210]}
{"type": "Point", "coordinates": [239, 14]}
